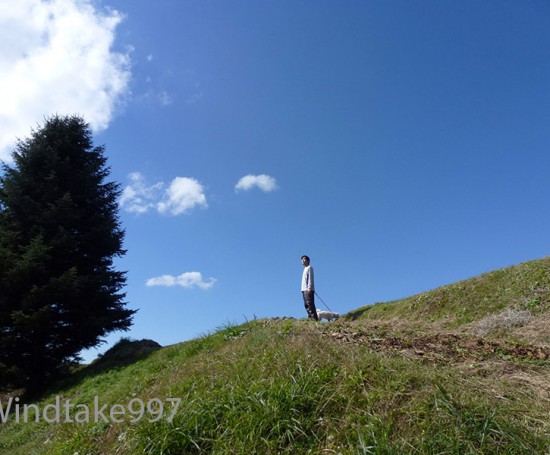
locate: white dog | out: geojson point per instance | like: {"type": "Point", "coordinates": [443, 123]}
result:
{"type": "Point", "coordinates": [328, 315]}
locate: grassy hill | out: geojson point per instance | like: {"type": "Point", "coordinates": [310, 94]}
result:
{"type": "Point", "coordinates": [461, 369]}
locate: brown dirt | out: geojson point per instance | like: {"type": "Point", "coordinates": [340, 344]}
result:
{"type": "Point", "coordinates": [454, 348]}
{"type": "Point", "coordinates": [442, 346]}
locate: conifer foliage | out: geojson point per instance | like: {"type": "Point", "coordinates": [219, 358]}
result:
{"type": "Point", "coordinates": [59, 235]}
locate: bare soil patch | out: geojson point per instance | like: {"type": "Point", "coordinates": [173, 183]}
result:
{"type": "Point", "coordinates": [445, 347]}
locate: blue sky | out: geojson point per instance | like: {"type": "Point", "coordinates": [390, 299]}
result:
{"type": "Point", "coordinates": [402, 145]}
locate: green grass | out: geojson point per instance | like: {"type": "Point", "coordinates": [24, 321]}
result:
{"type": "Point", "coordinates": [293, 386]}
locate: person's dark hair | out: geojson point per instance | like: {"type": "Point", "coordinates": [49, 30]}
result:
{"type": "Point", "coordinates": [304, 256]}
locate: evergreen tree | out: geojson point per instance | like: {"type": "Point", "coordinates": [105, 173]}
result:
{"type": "Point", "coordinates": [59, 236]}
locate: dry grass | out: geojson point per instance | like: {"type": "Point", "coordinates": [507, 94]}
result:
{"type": "Point", "coordinates": [507, 319]}
{"type": "Point", "coordinates": [537, 331]}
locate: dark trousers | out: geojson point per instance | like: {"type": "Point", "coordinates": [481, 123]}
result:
{"type": "Point", "coordinates": [309, 304]}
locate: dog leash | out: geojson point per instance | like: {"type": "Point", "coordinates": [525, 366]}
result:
{"type": "Point", "coordinates": [323, 301]}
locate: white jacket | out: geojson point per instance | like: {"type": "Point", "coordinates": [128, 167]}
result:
{"type": "Point", "coordinates": [308, 283]}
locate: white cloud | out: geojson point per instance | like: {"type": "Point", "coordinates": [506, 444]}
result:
{"type": "Point", "coordinates": [182, 195]}
{"type": "Point", "coordinates": [187, 280]}
{"type": "Point", "coordinates": [139, 196]}
{"type": "Point", "coordinates": [56, 58]}
{"type": "Point", "coordinates": [264, 182]}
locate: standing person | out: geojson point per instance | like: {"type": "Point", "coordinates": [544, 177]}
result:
{"type": "Point", "coordinates": [308, 289]}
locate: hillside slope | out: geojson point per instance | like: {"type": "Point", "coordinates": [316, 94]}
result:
{"type": "Point", "coordinates": [414, 376]}
{"type": "Point", "coordinates": [510, 302]}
